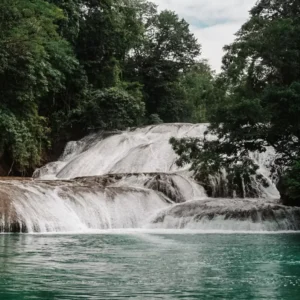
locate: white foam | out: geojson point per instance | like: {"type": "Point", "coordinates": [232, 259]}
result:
{"type": "Point", "coordinates": [40, 207]}
{"type": "Point", "coordinates": [131, 203]}
{"type": "Point", "coordinates": [142, 150]}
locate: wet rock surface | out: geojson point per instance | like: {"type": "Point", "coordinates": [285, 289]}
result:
{"type": "Point", "coordinates": [257, 212]}
{"type": "Point", "coordinates": [74, 205]}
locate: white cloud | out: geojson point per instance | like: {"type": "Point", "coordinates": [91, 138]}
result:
{"type": "Point", "coordinates": [213, 39]}
{"type": "Point", "coordinates": [214, 22]}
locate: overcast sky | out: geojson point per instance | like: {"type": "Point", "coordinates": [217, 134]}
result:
{"type": "Point", "coordinates": [214, 22]}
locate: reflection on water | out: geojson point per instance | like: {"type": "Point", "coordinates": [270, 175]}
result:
{"type": "Point", "coordinates": [150, 266]}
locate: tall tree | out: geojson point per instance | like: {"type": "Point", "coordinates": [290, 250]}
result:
{"type": "Point", "coordinates": [199, 90]}
{"type": "Point", "coordinates": [168, 50]}
{"type": "Point", "coordinates": [108, 31]}
{"type": "Point", "coordinates": [262, 102]}
{"type": "Point", "coordinates": [69, 26]}
{"type": "Point", "coordinates": [33, 61]}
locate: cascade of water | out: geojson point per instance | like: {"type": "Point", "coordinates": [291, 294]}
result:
{"type": "Point", "coordinates": [138, 151]}
{"type": "Point", "coordinates": [63, 206]}
{"type": "Point", "coordinates": [144, 150]}
{"type": "Point", "coordinates": [177, 187]}
{"type": "Point", "coordinates": [134, 182]}
{"type": "Point", "coordinates": [117, 201]}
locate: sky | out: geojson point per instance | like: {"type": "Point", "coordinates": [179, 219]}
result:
{"type": "Point", "coordinates": [214, 22]}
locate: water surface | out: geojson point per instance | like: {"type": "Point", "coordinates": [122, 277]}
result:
{"type": "Point", "coordinates": [150, 266]}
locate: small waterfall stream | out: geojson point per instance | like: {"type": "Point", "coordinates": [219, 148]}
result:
{"type": "Point", "coordinates": [131, 180]}
{"type": "Point", "coordinates": [63, 206]}
{"type": "Point", "coordinates": [142, 150]}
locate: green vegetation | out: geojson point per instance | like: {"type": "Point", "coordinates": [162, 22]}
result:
{"type": "Point", "coordinates": [70, 66]}
{"type": "Point", "coordinates": [34, 63]}
{"type": "Point", "coordinates": [260, 104]}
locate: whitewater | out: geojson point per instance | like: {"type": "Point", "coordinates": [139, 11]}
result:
{"type": "Point", "coordinates": [130, 181]}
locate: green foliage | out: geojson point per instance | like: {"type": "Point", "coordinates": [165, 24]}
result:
{"type": "Point", "coordinates": [22, 139]}
{"type": "Point", "coordinates": [69, 26]}
{"type": "Point", "coordinates": [208, 165]}
{"type": "Point", "coordinates": [267, 46]}
{"type": "Point", "coordinates": [262, 67]}
{"type": "Point", "coordinates": [68, 66]}
{"type": "Point", "coordinates": [154, 119]}
{"type": "Point", "coordinates": [110, 109]}
{"type": "Point", "coordinates": [34, 61]}
{"type": "Point", "coordinates": [168, 50]}
{"type": "Point", "coordinates": [290, 185]}
{"type": "Point", "coordinates": [260, 106]}
{"type": "Point", "coordinates": [33, 56]}
{"type": "Point", "coordinates": [199, 92]}
{"type": "Point", "coordinates": [108, 30]}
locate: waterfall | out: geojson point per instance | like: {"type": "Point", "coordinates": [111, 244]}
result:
{"type": "Point", "coordinates": [62, 206]}
{"type": "Point", "coordinates": [135, 151]}
{"type": "Point", "coordinates": [176, 187]}
{"type": "Point", "coordinates": [144, 150]}
{"type": "Point", "coordinates": [130, 180]}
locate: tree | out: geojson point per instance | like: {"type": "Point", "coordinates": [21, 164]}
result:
{"type": "Point", "coordinates": [199, 90]}
{"type": "Point", "coordinates": [33, 61]}
{"type": "Point", "coordinates": [110, 109]}
{"type": "Point", "coordinates": [261, 105]}
{"type": "Point", "coordinates": [168, 50]}
{"type": "Point", "coordinates": [108, 31]}
{"type": "Point", "coordinates": [69, 26]}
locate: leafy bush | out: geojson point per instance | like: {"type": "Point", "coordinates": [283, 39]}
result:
{"type": "Point", "coordinates": [154, 119]}
{"type": "Point", "coordinates": [289, 185]}
{"type": "Point", "coordinates": [109, 109]}
{"type": "Point", "coordinates": [22, 140]}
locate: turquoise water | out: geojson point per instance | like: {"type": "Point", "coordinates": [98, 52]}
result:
{"type": "Point", "coordinates": [150, 266]}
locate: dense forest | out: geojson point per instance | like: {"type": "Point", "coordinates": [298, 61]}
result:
{"type": "Point", "coordinates": [68, 67]}
{"type": "Point", "coordinates": [71, 66]}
